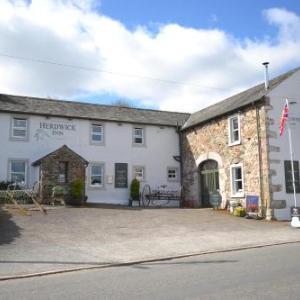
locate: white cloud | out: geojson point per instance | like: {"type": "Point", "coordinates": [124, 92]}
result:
{"type": "Point", "coordinates": [287, 22]}
{"type": "Point", "coordinates": [208, 64]}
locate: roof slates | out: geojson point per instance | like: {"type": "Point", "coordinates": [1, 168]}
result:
{"type": "Point", "coordinates": [71, 109]}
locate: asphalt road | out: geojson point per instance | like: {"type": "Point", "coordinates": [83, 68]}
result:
{"type": "Point", "coordinates": [263, 273]}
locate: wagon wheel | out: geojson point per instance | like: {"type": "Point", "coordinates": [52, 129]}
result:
{"type": "Point", "coordinates": [146, 195]}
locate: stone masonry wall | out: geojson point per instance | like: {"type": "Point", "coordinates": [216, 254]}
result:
{"type": "Point", "coordinates": [49, 169]}
{"type": "Point", "coordinates": [210, 141]}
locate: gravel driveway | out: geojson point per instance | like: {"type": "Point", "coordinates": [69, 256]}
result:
{"type": "Point", "coordinates": [79, 237]}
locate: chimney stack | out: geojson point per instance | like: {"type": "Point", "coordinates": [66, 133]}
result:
{"type": "Point", "coordinates": [266, 64]}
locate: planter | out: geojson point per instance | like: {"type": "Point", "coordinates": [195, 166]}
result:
{"type": "Point", "coordinates": [232, 205]}
{"type": "Point", "coordinates": [239, 211]}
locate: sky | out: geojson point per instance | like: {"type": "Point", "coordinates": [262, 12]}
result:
{"type": "Point", "coordinates": [171, 55]}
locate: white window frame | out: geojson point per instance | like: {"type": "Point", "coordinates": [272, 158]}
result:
{"type": "Point", "coordinates": [231, 142]}
{"type": "Point", "coordinates": [234, 193]}
{"type": "Point", "coordinates": [138, 136]}
{"type": "Point", "coordinates": [134, 173]}
{"type": "Point", "coordinates": [100, 164]}
{"type": "Point", "coordinates": [12, 127]}
{"type": "Point", "coordinates": [176, 179]}
{"type": "Point", "coordinates": [10, 161]}
{"type": "Point", "coordinates": [93, 142]}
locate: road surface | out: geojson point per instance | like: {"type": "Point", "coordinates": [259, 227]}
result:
{"type": "Point", "coordinates": [263, 273]}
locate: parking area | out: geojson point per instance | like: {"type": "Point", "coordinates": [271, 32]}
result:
{"type": "Point", "coordinates": [67, 238]}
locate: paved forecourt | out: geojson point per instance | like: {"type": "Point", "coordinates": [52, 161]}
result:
{"type": "Point", "coordinates": [70, 238]}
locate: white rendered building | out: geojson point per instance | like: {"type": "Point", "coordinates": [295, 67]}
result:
{"type": "Point", "coordinates": [119, 144]}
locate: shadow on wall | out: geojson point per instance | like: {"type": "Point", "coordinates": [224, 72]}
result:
{"type": "Point", "coordinates": [9, 230]}
{"type": "Point", "coordinates": [189, 175]}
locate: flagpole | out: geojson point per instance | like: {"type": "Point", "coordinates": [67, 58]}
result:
{"type": "Point", "coordinates": [295, 214]}
{"type": "Point", "coordinates": [292, 158]}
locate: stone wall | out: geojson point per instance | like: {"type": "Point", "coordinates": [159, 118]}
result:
{"type": "Point", "coordinates": [49, 172]}
{"type": "Point", "coordinates": [210, 141]}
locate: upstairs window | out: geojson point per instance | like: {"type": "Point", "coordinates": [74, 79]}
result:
{"type": "Point", "coordinates": [237, 181]}
{"type": "Point", "coordinates": [97, 134]}
{"type": "Point", "coordinates": [289, 176]}
{"type": "Point", "coordinates": [96, 175]}
{"type": "Point", "coordinates": [234, 130]}
{"type": "Point", "coordinates": [17, 172]}
{"type": "Point", "coordinates": [19, 128]}
{"type": "Point", "coordinates": [138, 136]}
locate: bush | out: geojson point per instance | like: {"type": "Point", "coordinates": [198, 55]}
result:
{"type": "Point", "coordinates": [135, 190]}
{"type": "Point", "coordinates": [77, 189]}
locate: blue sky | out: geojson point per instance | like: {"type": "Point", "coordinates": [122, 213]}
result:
{"type": "Point", "coordinates": [171, 55]}
{"type": "Point", "coordinates": [241, 18]}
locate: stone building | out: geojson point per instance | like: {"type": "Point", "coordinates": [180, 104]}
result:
{"type": "Point", "coordinates": [234, 147]}
{"type": "Point", "coordinates": [61, 167]}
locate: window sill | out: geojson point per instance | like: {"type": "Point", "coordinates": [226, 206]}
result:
{"type": "Point", "coordinates": [173, 180]}
{"type": "Point", "coordinates": [238, 195]}
{"type": "Point", "coordinates": [97, 143]}
{"type": "Point", "coordinates": [96, 187]}
{"type": "Point", "coordinates": [19, 139]}
{"type": "Point", "coordinates": [234, 144]}
{"type": "Point", "coordinates": [138, 145]}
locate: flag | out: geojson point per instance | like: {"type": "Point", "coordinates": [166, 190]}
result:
{"type": "Point", "coordinates": [284, 117]}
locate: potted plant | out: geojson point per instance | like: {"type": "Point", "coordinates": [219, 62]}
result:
{"type": "Point", "coordinates": [134, 191]}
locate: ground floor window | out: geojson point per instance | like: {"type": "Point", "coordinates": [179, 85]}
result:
{"type": "Point", "coordinates": [172, 174]}
{"type": "Point", "coordinates": [63, 172]}
{"type": "Point", "coordinates": [96, 174]}
{"type": "Point", "coordinates": [17, 171]}
{"type": "Point", "coordinates": [289, 178]}
{"type": "Point", "coordinates": [139, 173]}
{"type": "Point", "coordinates": [237, 183]}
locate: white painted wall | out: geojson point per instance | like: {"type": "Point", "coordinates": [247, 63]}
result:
{"type": "Point", "coordinates": [162, 143]}
{"type": "Point", "coordinates": [290, 89]}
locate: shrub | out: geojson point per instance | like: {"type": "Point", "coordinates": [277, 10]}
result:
{"type": "Point", "coordinates": [77, 189]}
{"type": "Point", "coordinates": [135, 189]}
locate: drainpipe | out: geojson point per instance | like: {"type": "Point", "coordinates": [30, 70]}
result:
{"type": "Point", "coordinates": [261, 186]}
{"type": "Point", "coordinates": [180, 163]}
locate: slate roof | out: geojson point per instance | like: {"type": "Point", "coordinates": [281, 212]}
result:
{"type": "Point", "coordinates": [62, 148]}
{"type": "Point", "coordinates": [70, 109]}
{"type": "Point", "coordinates": [235, 102]}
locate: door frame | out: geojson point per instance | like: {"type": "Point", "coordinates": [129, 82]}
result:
{"type": "Point", "coordinates": [206, 175]}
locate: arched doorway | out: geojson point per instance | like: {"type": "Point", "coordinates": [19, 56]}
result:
{"type": "Point", "coordinates": [209, 180]}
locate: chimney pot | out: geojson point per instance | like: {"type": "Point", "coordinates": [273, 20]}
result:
{"type": "Point", "coordinates": [266, 64]}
